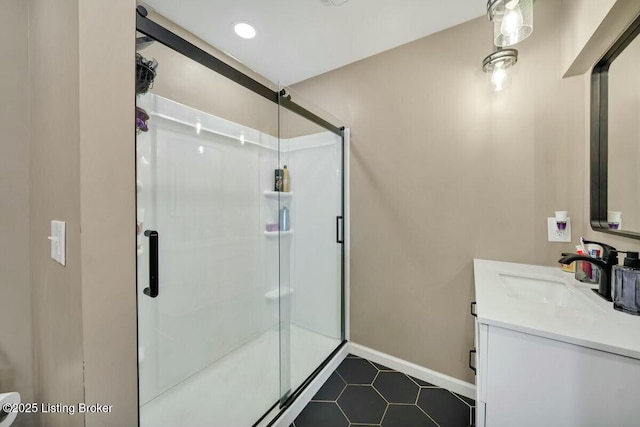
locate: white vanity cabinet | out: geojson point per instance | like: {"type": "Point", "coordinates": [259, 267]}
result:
{"type": "Point", "coordinates": [534, 375]}
{"type": "Point", "coordinates": [525, 380]}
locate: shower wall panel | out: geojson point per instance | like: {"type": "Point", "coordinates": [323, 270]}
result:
{"type": "Point", "coordinates": [315, 161]}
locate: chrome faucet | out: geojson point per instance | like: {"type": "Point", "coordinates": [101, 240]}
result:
{"type": "Point", "coordinates": [605, 264]}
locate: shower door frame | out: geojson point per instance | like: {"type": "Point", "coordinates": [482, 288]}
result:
{"type": "Point", "coordinates": [171, 40]}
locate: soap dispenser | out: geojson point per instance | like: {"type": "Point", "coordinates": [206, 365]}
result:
{"type": "Point", "coordinates": [626, 285]}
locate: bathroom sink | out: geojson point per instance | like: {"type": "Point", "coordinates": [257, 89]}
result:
{"type": "Point", "coordinates": [544, 290]}
{"type": "Point", "coordinates": [547, 303]}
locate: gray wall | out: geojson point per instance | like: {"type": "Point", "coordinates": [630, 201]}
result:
{"type": "Point", "coordinates": [82, 172]}
{"type": "Point", "coordinates": [106, 47]}
{"type": "Point", "coordinates": [55, 194]}
{"type": "Point", "coordinates": [444, 171]}
{"type": "Point", "coordinates": [16, 362]}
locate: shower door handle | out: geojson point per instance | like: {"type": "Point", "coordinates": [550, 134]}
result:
{"type": "Point", "coordinates": [338, 239]}
{"type": "Point", "coordinates": [152, 290]}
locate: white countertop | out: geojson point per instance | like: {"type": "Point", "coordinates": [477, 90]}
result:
{"type": "Point", "coordinates": [599, 327]}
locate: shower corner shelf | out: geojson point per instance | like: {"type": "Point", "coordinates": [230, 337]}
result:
{"type": "Point", "coordinates": [275, 194]}
{"type": "Point", "coordinates": [278, 233]}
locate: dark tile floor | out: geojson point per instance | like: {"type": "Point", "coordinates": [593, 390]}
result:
{"type": "Point", "coordinates": [363, 393]}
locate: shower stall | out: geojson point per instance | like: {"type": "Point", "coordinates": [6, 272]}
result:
{"type": "Point", "coordinates": [238, 307]}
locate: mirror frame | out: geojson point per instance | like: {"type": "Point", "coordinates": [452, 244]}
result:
{"type": "Point", "coordinates": [599, 154]}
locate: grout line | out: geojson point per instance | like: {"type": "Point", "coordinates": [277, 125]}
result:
{"type": "Point", "coordinates": [384, 414]}
{"type": "Point", "coordinates": [429, 416]}
{"type": "Point", "coordinates": [378, 391]}
{"type": "Point", "coordinates": [374, 366]}
{"type": "Point", "coordinates": [464, 401]}
{"type": "Point", "coordinates": [340, 394]}
{"type": "Point", "coordinates": [343, 413]}
{"type": "Point", "coordinates": [419, 385]}
{"type": "Point", "coordinates": [418, 396]}
{"type": "Point", "coordinates": [423, 411]}
{"type": "Point", "coordinates": [376, 377]}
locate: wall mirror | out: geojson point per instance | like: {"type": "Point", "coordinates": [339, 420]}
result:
{"type": "Point", "coordinates": [615, 137]}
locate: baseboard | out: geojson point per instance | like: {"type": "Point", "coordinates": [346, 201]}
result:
{"type": "Point", "coordinates": [417, 371]}
{"type": "Point", "coordinates": [292, 412]}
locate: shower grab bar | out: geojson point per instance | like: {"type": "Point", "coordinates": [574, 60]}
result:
{"type": "Point", "coordinates": [152, 290]}
{"type": "Point", "coordinates": [338, 239]}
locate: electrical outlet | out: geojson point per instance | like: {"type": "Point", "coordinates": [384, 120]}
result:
{"type": "Point", "coordinates": [556, 235]}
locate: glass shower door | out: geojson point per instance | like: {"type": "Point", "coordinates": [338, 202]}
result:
{"type": "Point", "coordinates": [311, 251]}
{"type": "Point", "coordinates": [240, 286]}
{"type": "Point", "coordinates": [207, 310]}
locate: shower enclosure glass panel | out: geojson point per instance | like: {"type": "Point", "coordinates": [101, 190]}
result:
{"type": "Point", "coordinates": [235, 310]}
{"type": "Point", "coordinates": [209, 340]}
{"type": "Point", "coordinates": [311, 252]}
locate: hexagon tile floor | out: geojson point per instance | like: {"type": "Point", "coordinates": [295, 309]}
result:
{"type": "Point", "coordinates": [363, 393]}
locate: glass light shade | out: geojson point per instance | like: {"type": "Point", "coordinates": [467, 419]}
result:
{"type": "Point", "coordinates": [498, 67]}
{"type": "Point", "coordinates": [512, 21]}
{"type": "Point", "coordinates": [500, 78]}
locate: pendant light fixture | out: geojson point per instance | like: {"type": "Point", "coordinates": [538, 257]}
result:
{"type": "Point", "coordinates": [512, 20]}
{"type": "Point", "coordinates": [499, 64]}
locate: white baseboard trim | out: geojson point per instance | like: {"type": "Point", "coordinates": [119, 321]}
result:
{"type": "Point", "coordinates": [292, 412]}
{"type": "Point", "coordinates": [424, 374]}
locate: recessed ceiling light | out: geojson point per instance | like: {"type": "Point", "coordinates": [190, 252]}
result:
{"type": "Point", "coordinates": [244, 30]}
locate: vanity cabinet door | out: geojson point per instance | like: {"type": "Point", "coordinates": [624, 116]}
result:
{"type": "Point", "coordinates": [533, 381]}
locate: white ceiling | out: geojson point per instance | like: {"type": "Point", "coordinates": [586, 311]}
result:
{"type": "Point", "coordinates": [299, 39]}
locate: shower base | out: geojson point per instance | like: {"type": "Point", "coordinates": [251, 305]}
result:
{"type": "Point", "coordinates": [237, 389]}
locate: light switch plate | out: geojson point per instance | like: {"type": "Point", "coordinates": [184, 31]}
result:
{"type": "Point", "coordinates": [556, 235]}
{"type": "Point", "coordinates": [58, 239]}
